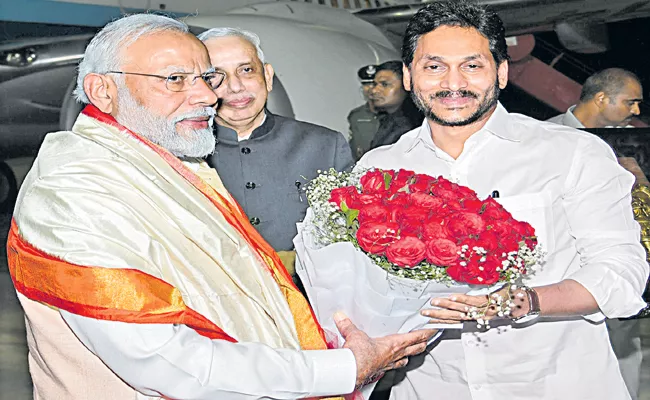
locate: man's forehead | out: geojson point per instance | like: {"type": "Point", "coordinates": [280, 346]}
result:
{"type": "Point", "coordinates": [224, 48]}
{"type": "Point", "coordinates": [169, 52]}
{"type": "Point", "coordinates": [453, 42]}
{"type": "Point", "coordinates": [385, 75]}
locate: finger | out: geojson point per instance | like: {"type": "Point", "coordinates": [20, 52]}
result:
{"type": "Point", "coordinates": [397, 364]}
{"type": "Point", "coordinates": [450, 305]}
{"type": "Point", "coordinates": [445, 314]}
{"type": "Point", "coordinates": [413, 350]}
{"type": "Point", "coordinates": [404, 340]}
{"type": "Point", "coordinates": [343, 324]}
{"type": "Point", "coordinates": [472, 301]}
{"type": "Point", "coordinates": [445, 321]}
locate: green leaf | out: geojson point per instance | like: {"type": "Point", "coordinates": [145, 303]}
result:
{"type": "Point", "coordinates": [351, 216]}
{"type": "Point", "coordinates": [387, 180]}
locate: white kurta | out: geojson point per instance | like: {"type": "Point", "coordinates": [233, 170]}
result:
{"type": "Point", "coordinates": [99, 197]}
{"type": "Point", "coordinates": [569, 186]}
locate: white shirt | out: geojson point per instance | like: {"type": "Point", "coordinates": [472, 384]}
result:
{"type": "Point", "coordinates": [568, 185]}
{"type": "Point", "coordinates": [569, 119]}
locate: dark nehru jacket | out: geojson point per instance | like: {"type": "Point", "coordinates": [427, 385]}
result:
{"type": "Point", "coordinates": [266, 173]}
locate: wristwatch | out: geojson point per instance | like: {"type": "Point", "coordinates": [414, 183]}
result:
{"type": "Point", "coordinates": [533, 303]}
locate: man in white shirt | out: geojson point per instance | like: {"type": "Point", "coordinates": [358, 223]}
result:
{"type": "Point", "coordinates": [564, 182]}
{"type": "Point", "coordinates": [139, 275]}
{"type": "Point", "coordinates": [609, 99]}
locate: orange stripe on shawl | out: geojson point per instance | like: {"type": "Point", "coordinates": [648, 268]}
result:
{"type": "Point", "coordinates": [125, 295]}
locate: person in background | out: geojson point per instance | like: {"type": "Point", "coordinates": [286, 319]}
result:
{"type": "Point", "coordinates": [265, 159]}
{"type": "Point", "coordinates": [396, 112]}
{"type": "Point", "coordinates": [363, 119]}
{"type": "Point", "coordinates": [611, 98]}
{"type": "Point", "coordinates": [139, 276]}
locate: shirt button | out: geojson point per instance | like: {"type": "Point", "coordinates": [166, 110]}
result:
{"type": "Point", "coordinates": [477, 387]}
{"type": "Point", "coordinates": [255, 221]}
{"type": "Point", "coordinates": [246, 150]}
{"type": "Point", "coordinates": [250, 185]}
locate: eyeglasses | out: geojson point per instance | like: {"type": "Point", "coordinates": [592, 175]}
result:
{"type": "Point", "coordinates": [182, 81]}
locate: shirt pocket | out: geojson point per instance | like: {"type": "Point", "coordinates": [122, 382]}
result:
{"type": "Point", "coordinates": [537, 210]}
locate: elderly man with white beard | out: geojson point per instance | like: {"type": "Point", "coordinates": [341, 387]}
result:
{"type": "Point", "coordinates": [139, 275]}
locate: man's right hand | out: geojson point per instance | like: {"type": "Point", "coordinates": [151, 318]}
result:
{"type": "Point", "coordinates": [375, 356]}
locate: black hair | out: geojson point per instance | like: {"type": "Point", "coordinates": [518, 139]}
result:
{"type": "Point", "coordinates": [609, 81]}
{"type": "Point", "coordinates": [456, 13]}
{"type": "Point", "coordinates": [394, 65]}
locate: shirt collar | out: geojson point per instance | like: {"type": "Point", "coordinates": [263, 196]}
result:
{"type": "Point", "coordinates": [498, 124]}
{"type": "Point", "coordinates": [227, 135]}
{"type": "Point", "coordinates": [569, 119]}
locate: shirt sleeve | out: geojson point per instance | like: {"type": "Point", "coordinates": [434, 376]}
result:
{"type": "Point", "coordinates": [176, 362]}
{"type": "Point", "coordinates": [343, 160]}
{"type": "Point", "coordinates": [597, 203]}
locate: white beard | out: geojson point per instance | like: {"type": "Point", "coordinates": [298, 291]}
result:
{"type": "Point", "coordinates": [163, 132]}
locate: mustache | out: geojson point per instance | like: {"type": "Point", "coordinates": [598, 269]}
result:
{"type": "Point", "coordinates": [202, 112]}
{"type": "Point", "coordinates": [458, 93]}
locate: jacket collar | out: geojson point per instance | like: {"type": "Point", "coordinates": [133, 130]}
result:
{"type": "Point", "coordinates": [227, 135]}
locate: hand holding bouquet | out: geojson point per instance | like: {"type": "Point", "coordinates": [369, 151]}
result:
{"type": "Point", "coordinates": [378, 244]}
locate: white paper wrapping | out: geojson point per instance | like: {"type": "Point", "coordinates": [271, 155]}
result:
{"type": "Point", "coordinates": [339, 277]}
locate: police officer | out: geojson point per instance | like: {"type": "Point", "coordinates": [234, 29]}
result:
{"type": "Point", "coordinates": [363, 119]}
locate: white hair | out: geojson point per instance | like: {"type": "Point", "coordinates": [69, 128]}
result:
{"type": "Point", "coordinates": [104, 52]}
{"type": "Point", "coordinates": [251, 37]}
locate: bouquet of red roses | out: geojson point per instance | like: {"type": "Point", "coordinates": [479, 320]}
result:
{"type": "Point", "coordinates": [420, 227]}
{"type": "Point", "coordinates": [379, 244]}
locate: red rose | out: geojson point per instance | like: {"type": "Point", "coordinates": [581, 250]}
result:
{"type": "Point", "coordinates": [445, 194]}
{"type": "Point", "coordinates": [523, 228]}
{"type": "Point", "coordinates": [422, 183]}
{"type": "Point", "coordinates": [410, 219]}
{"type": "Point", "coordinates": [421, 199]}
{"type": "Point", "coordinates": [483, 273]}
{"type": "Point", "coordinates": [401, 199]}
{"type": "Point", "coordinates": [462, 224]}
{"type": "Point", "coordinates": [455, 272]}
{"type": "Point", "coordinates": [501, 228]}
{"type": "Point", "coordinates": [494, 210]}
{"type": "Point", "coordinates": [441, 252]}
{"type": "Point", "coordinates": [400, 179]}
{"type": "Point", "coordinates": [406, 252]}
{"type": "Point", "coordinates": [397, 204]}
{"type": "Point", "coordinates": [373, 182]}
{"type": "Point", "coordinates": [475, 271]}
{"type": "Point", "coordinates": [465, 193]}
{"type": "Point", "coordinates": [373, 237]}
{"type": "Point", "coordinates": [509, 243]}
{"type": "Point", "coordinates": [373, 212]}
{"type": "Point", "coordinates": [345, 194]}
{"type": "Point", "coordinates": [472, 205]}
{"type": "Point", "coordinates": [433, 230]}
{"type": "Point", "coordinates": [365, 199]}
{"type": "Point", "coordinates": [531, 242]}
{"type": "Point", "coordinates": [410, 227]}
{"type": "Point", "coordinates": [487, 240]}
